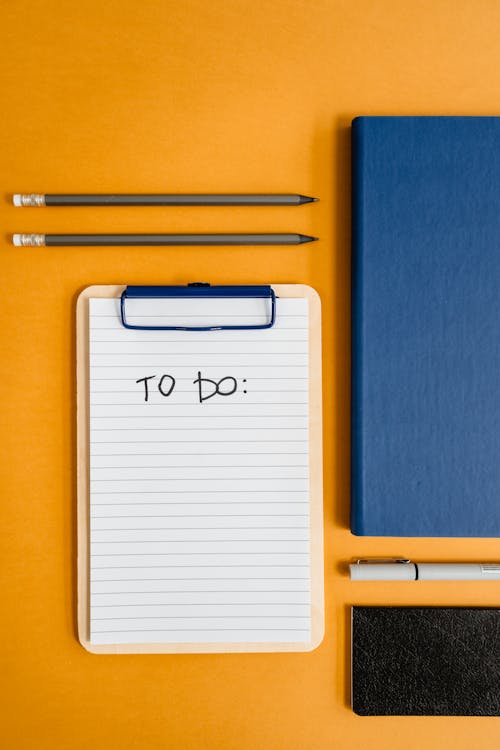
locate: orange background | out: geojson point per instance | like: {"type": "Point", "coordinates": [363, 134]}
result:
{"type": "Point", "coordinates": [200, 95]}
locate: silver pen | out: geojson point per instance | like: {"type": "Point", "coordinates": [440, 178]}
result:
{"type": "Point", "coordinates": [402, 569]}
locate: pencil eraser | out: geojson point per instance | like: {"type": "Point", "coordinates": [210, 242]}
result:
{"type": "Point", "coordinates": [16, 200]}
{"type": "Point", "coordinates": [16, 240]}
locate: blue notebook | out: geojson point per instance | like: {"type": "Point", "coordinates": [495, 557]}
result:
{"type": "Point", "coordinates": [426, 326]}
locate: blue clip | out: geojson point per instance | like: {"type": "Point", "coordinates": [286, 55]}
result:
{"type": "Point", "coordinates": [198, 290]}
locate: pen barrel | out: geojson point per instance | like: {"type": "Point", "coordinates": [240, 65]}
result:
{"type": "Point", "coordinates": [425, 572]}
{"type": "Point", "coordinates": [458, 572]}
{"type": "Point", "coordinates": [383, 572]}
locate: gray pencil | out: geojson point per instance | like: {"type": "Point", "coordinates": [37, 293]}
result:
{"type": "Point", "coordinates": [34, 199]}
{"type": "Point", "coordinates": [51, 240]}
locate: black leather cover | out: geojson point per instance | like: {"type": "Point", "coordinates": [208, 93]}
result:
{"type": "Point", "coordinates": [426, 661]}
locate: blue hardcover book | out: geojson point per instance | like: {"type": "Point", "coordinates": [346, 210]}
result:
{"type": "Point", "coordinates": [426, 326]}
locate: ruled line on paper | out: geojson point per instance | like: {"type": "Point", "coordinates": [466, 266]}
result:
{"type": "Point", "coordinates": [242, 463]}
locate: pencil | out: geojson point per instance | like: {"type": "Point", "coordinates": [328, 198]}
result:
{"type": "Point", "coordinates": [34, 199]}
{"type": "Point", "coordinates": [52, 240]}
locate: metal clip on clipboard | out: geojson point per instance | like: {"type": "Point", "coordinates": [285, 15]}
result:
{"type": "Point", "coordinates": [198, 290]}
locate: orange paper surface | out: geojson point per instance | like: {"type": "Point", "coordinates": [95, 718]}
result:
{"type": "Point", "coordinates": [228, 96]}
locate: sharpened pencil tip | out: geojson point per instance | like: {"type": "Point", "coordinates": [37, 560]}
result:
{"type": "Point", "coordinates": [307, 199]}
{"type": "Point", "coordinates": [307, 238]}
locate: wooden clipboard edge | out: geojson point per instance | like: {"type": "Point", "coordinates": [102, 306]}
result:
{"type": "Point", "coordinates": [316, 488]}
{"type": "Point", "coordinates": [315, 457]}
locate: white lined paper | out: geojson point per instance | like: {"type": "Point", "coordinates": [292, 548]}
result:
{"type": "Point", "coordinates": [199, 512]}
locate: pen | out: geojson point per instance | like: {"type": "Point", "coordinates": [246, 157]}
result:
{"type": "Point", "coordinates": [52, 240]}
{"type": "Point", "coordinates": [400, 569]}
{"type": "Point", "coordinates": [37, 199]}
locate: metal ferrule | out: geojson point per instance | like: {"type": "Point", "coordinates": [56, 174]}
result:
{"type": "Point", "coordinates": [32, 199]}
{"type": "Point", "coordinates": [31, 240]}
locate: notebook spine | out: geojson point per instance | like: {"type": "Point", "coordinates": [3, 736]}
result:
{"type": "Point", "coordinates": [357, 521]}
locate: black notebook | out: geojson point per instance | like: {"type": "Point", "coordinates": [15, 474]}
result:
{"type": "Point", "coordinates": [426, 661]}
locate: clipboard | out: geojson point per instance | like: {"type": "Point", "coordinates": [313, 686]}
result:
{"type": "Point", "coordinates": [122, 297]}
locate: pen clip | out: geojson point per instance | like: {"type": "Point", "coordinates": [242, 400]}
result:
{"type": "Point", "coordinates": [374, 560]}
